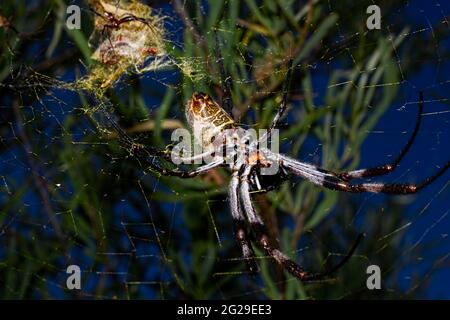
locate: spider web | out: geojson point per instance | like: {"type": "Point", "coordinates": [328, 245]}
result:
{"type": "Point", "coordinates": [73, 195]}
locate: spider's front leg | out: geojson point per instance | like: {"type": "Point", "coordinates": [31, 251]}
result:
{"type": "Point", "coordinates": [189, 173]}
{"type": "Point", "coordinates": [151, 155]}
{"type": "Point", "coordinates": [332, 180]}
{"type": "Point", "coordinates": [239, 223]}
{"type": "Point", "coordinates": [225, 78]}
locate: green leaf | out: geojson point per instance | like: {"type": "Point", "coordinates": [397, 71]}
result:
{"type": "Point", "coordinates": [323, 209]}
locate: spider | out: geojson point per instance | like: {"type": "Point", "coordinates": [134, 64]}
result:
{"type": "Point", "coordinates": [207, 118]}
{"type": "Point", "coordinates": [113, 23]}
{"type": "Point", "coordinates": [4, 23]}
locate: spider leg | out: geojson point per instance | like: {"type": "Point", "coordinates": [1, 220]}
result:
{"type": "Point", "coordinates": [259, 229]}
{"type": "Point", "coordinates": [225, 78]}
{"type": "Point", "coordinates": [332, 180]}
{"type": "Point", "coordinates": [96, 13]}
{"type": "Point", "coordinates": [194, 158]}
{"type": "Point", "coordinates": [151, 155]}
{"type": "Point", "coordinates": [131, 17]}
{"type": "Point", "coordinates": [282, 108]}
{"type": "Point", "coordinates": [107, 34]}
{"type": "Point", "coordinates": [105, 26]}
{"type": "Point", "coordinates": [333, 269]}
{"type": "Point", "coordinates": [191, 173]}
{"type": "Point", "coordinates": [261, 235]}
{"type": "Point", "coordinates": [387, 168]}
{"type": "Point", "coordinates": [125, 138]}
{"type": "Point", "coordinates": [239, 224]}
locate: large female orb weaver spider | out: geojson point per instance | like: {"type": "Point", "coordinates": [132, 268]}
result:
{"type": "Point", "coordinates": [203, 113]}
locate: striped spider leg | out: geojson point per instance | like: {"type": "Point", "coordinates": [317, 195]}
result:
{"type": "Point", "coordinates": [342, 181]}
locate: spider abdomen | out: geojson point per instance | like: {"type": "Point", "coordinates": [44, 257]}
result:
{"type": "Point", "coordinates": [206, 119]}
